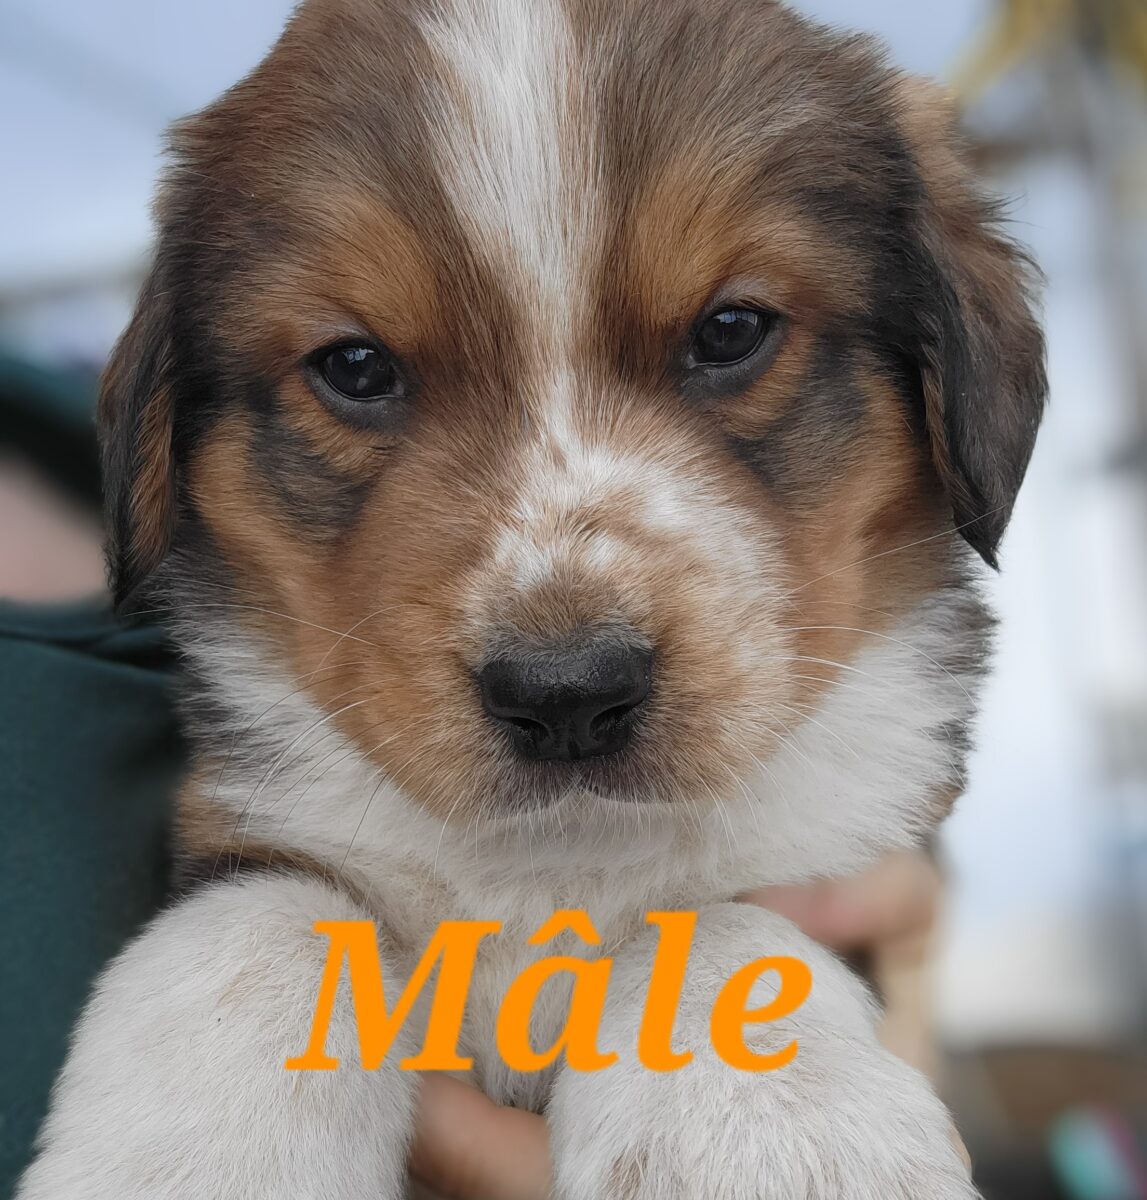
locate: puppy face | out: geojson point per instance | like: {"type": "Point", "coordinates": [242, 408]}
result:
{"type": "Point", "coordinates": [567, 391]}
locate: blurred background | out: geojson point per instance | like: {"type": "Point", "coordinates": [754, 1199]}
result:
{"type": "Point", "coordinates": [1039, 991]}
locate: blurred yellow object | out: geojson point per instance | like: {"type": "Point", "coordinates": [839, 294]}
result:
{"type": "Point", "coordinates": [1115, 30]}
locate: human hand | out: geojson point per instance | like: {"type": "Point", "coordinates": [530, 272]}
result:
{"type": "Point", "coordinates": [896, 899]}
{"type": "Point", "coordinates": [467, 1147]}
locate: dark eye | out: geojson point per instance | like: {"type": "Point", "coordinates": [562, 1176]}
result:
{"type": "Point", "coordinates": [361, 373]}
{"type": "Point", "coordinates": [728, 336]}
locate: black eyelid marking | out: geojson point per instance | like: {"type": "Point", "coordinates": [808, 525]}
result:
{"type": "Point", "coordinates": [773, 317]}
{"type": "Point", "coordinates": [339, 336]}
{"type": "Point", "coordinates": [702, 381]}
{"type": "Point", "coordinates": [355, 350]}
{"type": "Point", "coordinates": [729, 335]}
{"type": "Point", "coordinates": [373, 398]}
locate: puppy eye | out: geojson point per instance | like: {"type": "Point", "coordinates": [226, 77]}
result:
{"type": "Point", "coordinates": [362, 373]}
{"type": "Point", "coordinates": [728, 336]}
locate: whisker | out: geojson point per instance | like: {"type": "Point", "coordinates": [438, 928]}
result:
{"type": "Point", "coordinates": [804, 716]}
{"type": "Point", "coordinates": [358, 827]}
{"type": "Point", "coordinates": [442, 834]}
{"type": "Point", "coordinates": [896, 550]}
{"type": "Point", "coordinates": [270, 612]}
{"type": "Point", "coordinates": [270, 708]}
{"type": "Point", "coordinates": [269, 774]}
{"type": "Point", "coordinates": [378, 612]}
{"type": "Point", "coordinates": [314, 782]}
{"type": "Point", "coordinates": [884, 637]}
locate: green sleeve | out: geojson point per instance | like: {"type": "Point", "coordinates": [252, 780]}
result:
{"type": "Point", "coordinates": [89, 758]}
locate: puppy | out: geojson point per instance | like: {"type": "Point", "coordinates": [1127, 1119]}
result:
{"type": "Point", "coordinates": [562, 436]}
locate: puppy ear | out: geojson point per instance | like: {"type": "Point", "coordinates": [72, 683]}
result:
{"type": "Point", "coordinates": [980, 350]}
{"type": "Point", "coordinates": [136, 423]}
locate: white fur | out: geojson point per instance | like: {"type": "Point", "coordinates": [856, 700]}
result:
{"type": "Point", "coordinates": [565, 474]}
{"type": "Point", "coordinates": [514, 155]}
{"type": "Point", "coordinates": [173, 1087]}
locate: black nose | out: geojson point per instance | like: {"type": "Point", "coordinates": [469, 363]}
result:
{"type": "Point", "coordinates": [576, 700]}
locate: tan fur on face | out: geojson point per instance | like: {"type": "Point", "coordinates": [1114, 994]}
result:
{"type": "Point", "coordinates": [363, 268]}
{"type": "Point", "coordinates": [691, 233]}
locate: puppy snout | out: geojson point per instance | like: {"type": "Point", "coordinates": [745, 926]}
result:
{"type": "Point", "coordinates": [578, 699]}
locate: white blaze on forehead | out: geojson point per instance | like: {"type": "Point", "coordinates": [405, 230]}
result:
{"type": "Point", "coordinates": [512, 134]}
{"type": "Point", "coordinates": [515, 136]}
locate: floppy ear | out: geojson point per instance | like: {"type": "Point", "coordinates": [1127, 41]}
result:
{"type": "Point", "coordinates": [980, 349]}
{"type": "Point", "coordinates": [136, 422]}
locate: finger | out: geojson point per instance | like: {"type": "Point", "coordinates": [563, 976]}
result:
{"type": "Point", "coordinates": [897, 897]}
{"type": "Point", "coordinates": [469, 1148]}
{"type": "Point", "coordinates": [961, 1149]}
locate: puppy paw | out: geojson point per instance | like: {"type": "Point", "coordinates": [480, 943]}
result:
{"type": "Point", "coordinates": [844, 1120]}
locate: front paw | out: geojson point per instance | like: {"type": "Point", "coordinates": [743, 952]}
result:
{"type": "Point", "coordinates": [845, 1120]}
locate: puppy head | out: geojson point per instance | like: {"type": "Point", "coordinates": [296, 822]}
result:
{"type": "Point", "coordinates": [566, 390]}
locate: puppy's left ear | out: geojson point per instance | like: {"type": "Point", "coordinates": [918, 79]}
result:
{"type": "Point", "coordinates": [980, 350]}
{"type": "Point", "coordinates": [136, 421]}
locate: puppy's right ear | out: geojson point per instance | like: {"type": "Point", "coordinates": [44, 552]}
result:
{"type": "Point", "coordinates": [136, 420]}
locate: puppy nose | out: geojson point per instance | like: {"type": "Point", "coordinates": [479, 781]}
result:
{"type": "Point", "coordinates": [577, 700]}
